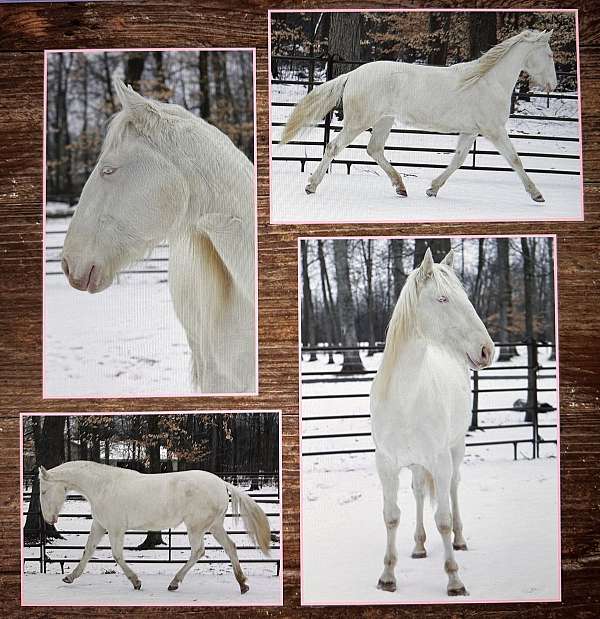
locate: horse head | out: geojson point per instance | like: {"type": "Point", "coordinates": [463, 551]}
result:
{"type": "Point", "coordinates": [133, 197]}
{"type": "Point", "coordinates": [539, 63]}
{"type": "Point", "coordinates": [446, 316]}
{"type": "Point", "coordinates": [52, 495]}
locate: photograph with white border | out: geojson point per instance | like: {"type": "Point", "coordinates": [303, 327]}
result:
{"type": "Point", "coordinates": [423, 115]}
{"type": "Point", "coordinates": [429, 363]}
{"type": "Point", "coordinates": [150, 250]}
{"type": "Point", "coordinates": [155, 509]}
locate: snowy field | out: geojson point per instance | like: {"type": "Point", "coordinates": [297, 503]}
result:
{"type": "Point", "coordinates": [125, 341]}
{"type": "Point", "coordinates": [366, 193]}
{"type": "Point", "coordinates": [104, 583]}
{"type": "Point", "coordinates": [510, 508]}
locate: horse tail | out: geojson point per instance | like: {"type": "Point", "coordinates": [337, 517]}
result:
{"type": "Point", "coordinates": [430, 487]}
{"type": "Point", "coordinates": [255, 519]}
{"type": "Point", "coordinates": [313, 107]}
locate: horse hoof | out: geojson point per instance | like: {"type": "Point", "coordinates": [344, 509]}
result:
{"type": "Point", "coordinates": [386, 585]}
{"type": "Point", "coordinates": [401, 191]}
{"type": "Point", "coordinates": [173, 586]}
{"type": "Point", "coordinates": [68, 580]}
{"type": "Point", "coordinates": [137, 585]}
{"type": "Point", "coordinates": [459, 546]}
{"type": "Point", "coordinates": [310, 189]}
{"type": "Point", "coordinates": [459, 591]}
{"type": "Point", "coordinates": [244, 589]}
{"type": "Point", "coordinates": [538, 198]}
{"type": "Point", "coordinates": [431, 192]}
{"type": "Point", "coordinates": [419, 554]}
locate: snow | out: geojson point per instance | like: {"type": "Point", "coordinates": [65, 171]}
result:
{"type": "Point", "coordinates": [366, 193]}
{"type": "Point", "coordinates": [104, 582]}
{"type": "Point", "coordinates": [125, 341]}
{"type": "Point", "coordinates": [115, 590]}
{"type": "Point", "coordinates": [510, 508]}
{"type": "Point", "coordinates": [510, 516]}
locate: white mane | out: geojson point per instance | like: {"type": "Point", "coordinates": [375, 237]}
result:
{"type": "Point", "coordinates": [404, 322]}
{"type": "Point", "coordinates": [476, 69]}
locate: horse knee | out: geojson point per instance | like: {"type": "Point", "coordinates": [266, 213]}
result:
{"type": "Point", "coordinates": [444, 523]}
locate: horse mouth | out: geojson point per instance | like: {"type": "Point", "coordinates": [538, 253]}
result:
{"type": "Point", "coordinates": [90, 281]}
{"type": "Point", "coordinates": [474, 366]}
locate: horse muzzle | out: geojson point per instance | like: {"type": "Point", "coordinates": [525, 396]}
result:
{"type": "Point", "coordinates": [86, 276]}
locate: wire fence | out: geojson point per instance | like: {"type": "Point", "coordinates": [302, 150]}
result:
{"type": "Point", "coordinates": [531, 406]}
{"type": "Point", "coordinates": [51, 550]}
{"type": "Point", "coordinates": [327, 64]}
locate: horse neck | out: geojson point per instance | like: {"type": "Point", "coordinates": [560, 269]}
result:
{"type": "Point", "coordinates": [507, 69]}
{"type": "Point", "coordinates": [80, 479]}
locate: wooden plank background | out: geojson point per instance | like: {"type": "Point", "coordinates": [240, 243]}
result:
{"type": "Point", "coordinates": [25, 31]}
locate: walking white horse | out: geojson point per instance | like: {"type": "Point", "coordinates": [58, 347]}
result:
{"type": "Point", "coordinates": [125, 500]}
{"type": "Point", "coordinates": [420, 403]}
{"type": "Point", "coordinates": [165, 174]}
{"type": "Point", "coordinates": [469, 98]}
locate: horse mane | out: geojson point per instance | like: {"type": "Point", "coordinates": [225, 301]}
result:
{"type": "Point", "coordinates": [476, 69]}
{"type": "Point", "coordinates": [404, 322]}
{"type": "Point", "coordinates": [82, 465]}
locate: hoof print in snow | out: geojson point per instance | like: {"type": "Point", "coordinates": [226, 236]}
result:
{"type": "Point", "coordinates": [386, 585]}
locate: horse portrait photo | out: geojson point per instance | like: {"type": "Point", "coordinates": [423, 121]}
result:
{"type": "Point", "coordinates": [495, 83]}
{"type": "Point", "coordinates": [151, 210]}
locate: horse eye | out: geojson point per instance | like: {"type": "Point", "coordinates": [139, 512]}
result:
{"type": "Point", "coordinates": [442, 299]}
{"type": "Point", "coordinates": [106, 170]}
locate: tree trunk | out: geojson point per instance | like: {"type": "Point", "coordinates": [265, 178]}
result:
{"type": "Point", "coordinates": [344, 41]}
{"type": "Point", "coordinates": [49, 448]}
{"type": "Point", "coordinates": [439, 24]}
{"type": "Point", "coordinates": [367, 251]}
{"type": "Point", "coordinates": [399, 276]}
{"type": "Point", "coordinates": [550, 300]}
{"type": "Point", "coordinates": [134, 68]}
{"type": "Point", "coordinates": [308, 318]}
{"type": "Point", "coordinates": [439, 249]}
{"type": "Point", "coordinates": [328, 322]}
{"type": "Point", "coordinates": [352, 361]}
{"type": "Point", "coordinates": [153, 538]}
{"type": "Point", "coordinates": [203, 85]}
{"type": "Point", "coordinates": [529, 284]}
{"type": "Point", "coordinates": [482, 33]}
{"type": "Point", "coordinates": [504, 298]}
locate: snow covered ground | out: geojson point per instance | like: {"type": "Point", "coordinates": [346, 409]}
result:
{"type": "Point", "coordinates": [125, 341]}
{"type": "Point", "coordinates": [104, 583]}
{"type": "Point", "coordinates": [510, 508]}
{"type": "Point", "coordinates": [366, 193]}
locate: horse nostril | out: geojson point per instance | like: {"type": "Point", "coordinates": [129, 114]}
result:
{"type": "Point", "coordinates": [65, 266]}
{"type": "Point", "coordinates": [484, 353]}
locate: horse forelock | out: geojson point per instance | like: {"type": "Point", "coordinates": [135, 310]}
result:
{"type": "Point", "coordinates": [476, 69]}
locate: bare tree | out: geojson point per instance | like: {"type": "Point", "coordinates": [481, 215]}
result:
{"type": "Point", "coordinates": [308, 313]}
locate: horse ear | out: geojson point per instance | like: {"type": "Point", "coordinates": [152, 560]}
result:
{"type": "Point", "coordinates": [132, 101]}
{"type": "Point", "coordinates": [449, 259]}
{"type": "Point", "coordinates": [426, 267]}
{"type": "Point", "coordinates": [44, 473]}
{"type": "Point", "coordinates": [549, 34]}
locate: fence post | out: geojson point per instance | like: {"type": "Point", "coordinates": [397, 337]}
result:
{"type": "Point", "coordinates": [328, 77]}
{"type": "Point", "coordinates": [532, 399]}
{"type": "Point", "coordinates": [474, 416]}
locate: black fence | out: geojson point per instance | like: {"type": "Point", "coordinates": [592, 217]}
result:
{"type": "Point", "coordinates": [51, 550]}
{"type": "Point", "coordinates": [326, 64]}
{"type": "Point", "coordinates": [532, 406]}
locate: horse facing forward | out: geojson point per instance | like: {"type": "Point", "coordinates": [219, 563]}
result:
{"type": "Point", "coordinates": [124, 500]}
{"type": "Point", "coordinates": [468, 98]}
{"type": "Point", "coordinates": [420, 402]}
{"type": "Point", "coordinates": [165, 174]}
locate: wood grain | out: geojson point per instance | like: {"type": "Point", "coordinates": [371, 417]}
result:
{"type": "Point", "coordinates": [25, 31]}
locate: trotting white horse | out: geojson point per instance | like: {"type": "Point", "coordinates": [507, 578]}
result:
{"type": "Point", "coordinates": [165, 174]}
{"type": "Point", "coordinates": [469, 98]}
{"type": "Point", "coordinates": [420, 401]}
{"type": "Point", "coordinates": [124, 500]}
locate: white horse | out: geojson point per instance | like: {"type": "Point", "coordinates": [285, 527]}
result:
{"type": "Point", "coordinates": [165, 174]}
{"type": "Point", "coordinates": [420, 402]}
{"type": "Point", "coordinates": [124, 500]}
{"type": "Point", "coordinates": [469, 98]}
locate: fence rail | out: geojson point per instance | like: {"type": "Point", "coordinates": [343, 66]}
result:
{"type": "Point", "coordinates": [328, 126]}
{"type": "Point", "coordinates": [533, 372]}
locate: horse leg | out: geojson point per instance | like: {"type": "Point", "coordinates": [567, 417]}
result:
{"type": "Point", "coordinates": [221, 536]}
{"type": "Point", "coordinates": [502, 142]}
{"type": "Point", "coordinates": [465, 141]}
{"type": "Point", "coordinates": [388, 475]}
{"type": "Point", "coordinates": [418, 487]}
{"type": "Point", "coordinates": [345, 136]}
{"type": "Point", "coordinates": [375, 148]}
{"type": "Point", "coordinates": [443, 521]}
{"type": "Point", "coordinates": [196, 537]}
{"type": "Point", "coordinates": [96, 534]}
{"type": "Point", "coordinates": [458, 452]}
{"type": "Point", "coordinates": [116, 545]}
